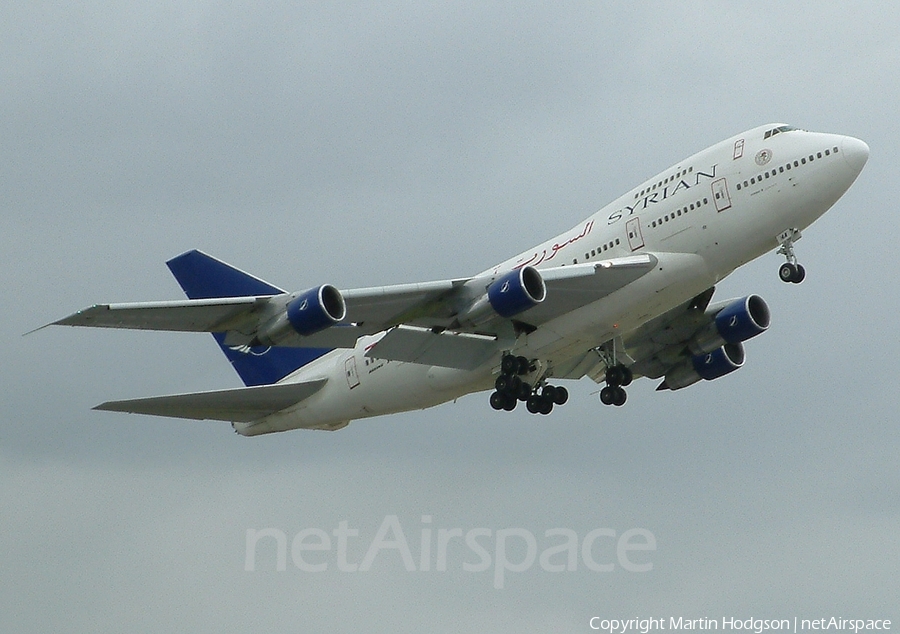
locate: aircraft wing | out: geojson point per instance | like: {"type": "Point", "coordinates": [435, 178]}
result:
{"type": "Point", "coordinates": [239, 317]}
{"type": "Point", "coordinates": [435, 305]}
{"type": "Point", "coordinates": [243, 404]}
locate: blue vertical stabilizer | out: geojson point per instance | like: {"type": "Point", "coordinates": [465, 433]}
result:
{"type": "Point", "coordinates": [204, 277]}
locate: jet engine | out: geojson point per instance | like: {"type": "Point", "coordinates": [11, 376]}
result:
{"type": "Point", "coordinates": [709, 366]}
{"type": "Point", "coordinates": [510, 294]}
{"type": "Point", "coordinates": [309, 312]}
{"type": "Point", "coordinates": [517, 291]}
{"type": "Point", "coordinates": [738, 321]}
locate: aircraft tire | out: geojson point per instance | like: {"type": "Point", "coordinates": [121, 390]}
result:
{"type": "Point", "coordinates": [560, 395]}
{"type": "Point", "coordinates": [606, 395]}
{"type": "Point", "coordinates": [523, 365]}
{"type": "Point", "coordinates": [787, 272]}
{"type": "Point", "coordinates": [545, 405]}
{"type": "Point", "coordinates": [524, 392]}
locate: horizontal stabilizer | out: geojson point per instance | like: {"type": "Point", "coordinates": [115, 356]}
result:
{"type": "Point", "coordinates": [243, 404]}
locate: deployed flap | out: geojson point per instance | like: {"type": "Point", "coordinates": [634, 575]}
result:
{"type": "Point", "coordinates": [241, 404]}
{"type": "Point", "coordinates": [464, 351]}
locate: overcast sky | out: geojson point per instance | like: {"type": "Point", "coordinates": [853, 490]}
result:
{"type": "Point", "coordinates": [379, 143]}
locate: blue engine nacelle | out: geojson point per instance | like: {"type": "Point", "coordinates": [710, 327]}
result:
{"type": "Point", "coordinates": [517, 291]}
{"type": "Point", "coordinates": [709, 366]}
{"type": "Point", "coordinates": [738, 321]}
{"type": "Point", "coordinates": [316, 309]}
{"type": "Point", "coordinates": [308, 313]}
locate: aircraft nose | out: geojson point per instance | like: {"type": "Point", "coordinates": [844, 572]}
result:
{"type": "Point", "coordinates": [856, 153]}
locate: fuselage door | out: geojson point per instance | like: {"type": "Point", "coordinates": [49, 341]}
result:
{"type": "Point", "coordinates": [633, 229]}
{"type": "Point", "coordinates": [720, 195]}
{"type": "Point", "coordinates": [350, 372]}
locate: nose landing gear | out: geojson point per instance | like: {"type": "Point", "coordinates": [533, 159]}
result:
{"type": "Point", "coordinates": [790, 271]}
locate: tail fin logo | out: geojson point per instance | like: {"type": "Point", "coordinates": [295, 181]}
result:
{"type": "Point", "coordinates": [252, 351]}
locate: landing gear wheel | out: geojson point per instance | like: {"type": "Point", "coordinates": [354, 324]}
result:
{"type": "Point", "coordinates": [523, 365]}
{"type": "Point", "coordinates": [533, 404]}
{"type": "Point", "coordinates": [503, 383]}
{"type": "Point", "coordinates": [545, 405]}
{"type": "Point", "coordinates": [497, 400]}
{"type": "Point", "coordinates": [560, 395]}
{"type": "Point", "coordinates": [524, 391]}
{"type": "Point", "coordinates": [627, 376]}
{"type": "Point", "coordinates": [619, 397]}
{"type": "Point", "coordinates": [607, 395]}
{"type": "Point", "coordinates": [509, 402]}
{"type": "Point", "coordinates": [801, 274]}
{"type": "Point", "coordinates": [615, 376]}
{"type": "Point", "coordinates": [788, 272]}
{"type": "Point", "coordinates": [508, 365]}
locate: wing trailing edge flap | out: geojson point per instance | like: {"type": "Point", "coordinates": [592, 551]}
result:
{"type": "Point", "coordinates": [464, 351]}
{"type": "Point", "coordinates": [235, 405]}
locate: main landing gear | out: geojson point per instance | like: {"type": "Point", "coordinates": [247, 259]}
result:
{"type": "Point", "coordinates": [790, 271]}
{"type": "Point", "coordinates": [511, 388]}
{"type": "Point", "coordinates": [618, 377]}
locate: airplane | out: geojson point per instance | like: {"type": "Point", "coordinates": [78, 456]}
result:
{"type": "Point", "coordinates": [626, 293]}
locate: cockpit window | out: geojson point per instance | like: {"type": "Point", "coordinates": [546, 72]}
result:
{"type": "Point", "coordinates": [779, 130]}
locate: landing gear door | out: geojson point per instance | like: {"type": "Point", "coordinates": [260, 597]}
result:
{"type": "Point", "coordinates": [350, 372]}
{"type": "Point", "coordinates": [720, 195]}
{"type": "Point", "coordinates": [633, 229]}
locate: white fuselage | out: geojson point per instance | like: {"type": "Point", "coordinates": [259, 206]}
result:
{"type": "Point", "coordinates": [702, 218]}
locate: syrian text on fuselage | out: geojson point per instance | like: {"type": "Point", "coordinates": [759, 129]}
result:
{"type": "Point", "coordinates": [659, 195]}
